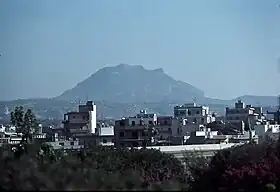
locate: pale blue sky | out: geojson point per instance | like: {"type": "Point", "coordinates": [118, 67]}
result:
{"type": "Point", "coordinates": [227, 48]}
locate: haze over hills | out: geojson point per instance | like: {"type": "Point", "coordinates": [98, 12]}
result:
{"type": "Point", "coordinates": [125, 89]}
{"type": "Point", "coordinates": [132, 83]}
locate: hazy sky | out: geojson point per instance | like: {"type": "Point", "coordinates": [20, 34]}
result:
{"type": "Point", "coordinates": [227, 48]}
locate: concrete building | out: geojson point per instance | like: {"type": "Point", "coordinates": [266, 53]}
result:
{"type": "Point", "coordinates": [242, 116]}
{"type": "Point", "coordinates": [105, 135]}
{"type": "Point", "coordinates": [206, 136]}
{"type": "Point", "coordinates": [81, 122]}
{"type": "Point", "coordinates": [61, 143]}
{"type": "Point", "coordinates": [135, 131]}
{"type": "Point", "coordinates": [267, 131]}
{"type": "Point", "coordinates": [164, 129]}
{"type": "Point", "coordinates": [190, 117]}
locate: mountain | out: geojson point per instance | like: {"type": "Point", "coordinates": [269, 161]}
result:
{"type": "Point", "coordinates": [132, 83]}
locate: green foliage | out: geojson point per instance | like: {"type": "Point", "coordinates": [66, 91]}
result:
{"type": "Point", "coordinates": [25, 123]}
{"type": "Point", "coordinates": [102, 168]}
{"type": "Point", "coordinates": [250, 167]}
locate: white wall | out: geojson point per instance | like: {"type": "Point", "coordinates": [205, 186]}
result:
{"type": "Point", "coordinates": [92, 119]}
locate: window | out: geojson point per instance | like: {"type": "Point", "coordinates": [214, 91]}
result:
{"type": "Point", "coordinates": [197, 112]}
{"type": "Point", "coordinates": [150, 122]}
{"type": "Point", "coordinates": [202, 120]}
{"type": "Point", "coordinates": [112, 140]}
{"type": "Point", "coordinates": [72, 143]}
{"type": "Point", "coordinates": [143, 134]}
{"type": "Point", "coordinates": [104, 141]}
{"type": "Point", "coordinates": [169, 129]}
{"type": "Point", "coordinates": [122, 123]}
{"type": "Point", "coordinates": [189, 113]}
{"type": "Point", "coordinates": [73, 117]}
{"type": "Point", "coordinates": [165, 122]}
{"type": "Point", "coordinates": [121, 134]}
{"type": "Point", "coordinates": [194, 120]}
{"type": "Point", "coordinates": [178, 131]}
{"type": "Point", "coordinates": [62, 144]}
{"type": "Point", "coordinates": [134, 134]}
{"type": "Point", "coordinates": [133, 123]}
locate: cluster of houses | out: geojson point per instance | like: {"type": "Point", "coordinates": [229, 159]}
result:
{"type": "Point", "coordinates": [190, 124]}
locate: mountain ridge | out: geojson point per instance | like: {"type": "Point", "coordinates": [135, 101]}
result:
{"type": "Point", "coordinates": [132, 83]}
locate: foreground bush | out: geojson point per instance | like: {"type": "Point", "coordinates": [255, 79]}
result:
{"type": "Point", "coordinates": [97, 169]}
{"type": "Point", "coordinates": [249, 167]}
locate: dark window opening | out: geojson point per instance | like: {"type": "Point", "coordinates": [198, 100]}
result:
{"type": "Point", "coordinates": [104, 141]}
{"type": "Point", "coordinates": [121, 134]}
{"type": "Point", "coordinates": [134, 134]}
{"type": "Point", "coordinates": [133, 123]}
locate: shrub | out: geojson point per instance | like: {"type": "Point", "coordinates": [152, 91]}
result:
{"type": "Point", "coordinates": [102, 168]}
{"type": "Point", "coordinates": [250, 167]}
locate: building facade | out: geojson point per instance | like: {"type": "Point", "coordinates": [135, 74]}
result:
{"type": "Point", "coordinates": [190, 117]}
{"type": "Point", "coordinates": [81, 122]}
{"type": "Point", "coordinates": [135, 131]}
{"type": "Point", "coordinates": [242, 116]}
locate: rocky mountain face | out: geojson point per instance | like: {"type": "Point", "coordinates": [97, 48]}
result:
{"type": "Point", "coordinates": [132, 83]}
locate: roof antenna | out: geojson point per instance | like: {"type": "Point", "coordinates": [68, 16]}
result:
{"type": "Point", "coordinates": [194, 100]}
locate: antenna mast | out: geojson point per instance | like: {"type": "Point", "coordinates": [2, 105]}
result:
{"type": "Point", "coordinates": [194, 99]}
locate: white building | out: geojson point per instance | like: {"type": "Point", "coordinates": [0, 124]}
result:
{"type": "Point", "coordinates": [190, 117]}
{"type": "Point", "coordinates": [143, 118]}
{"type": "Point", "coordinates": [267, 130]}
{"type": "Point", "coordinates": [105, 135]}
{"type": "Point", "coordinates": [243, 114]}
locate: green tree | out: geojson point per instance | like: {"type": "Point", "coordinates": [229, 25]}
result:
{"type": "Point", "coordinates": [17, 118]}
{"type": "Point", "coordinates": [30, 123]}
{"type": "Point", "coordinates": [25, 122]}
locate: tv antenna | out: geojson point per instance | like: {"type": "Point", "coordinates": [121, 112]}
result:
{"type": "Point", "coordinates": [194, 99]}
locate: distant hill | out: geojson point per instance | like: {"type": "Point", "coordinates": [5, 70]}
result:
{"type": "Point", "coordinates": [132, 83]}
{"type": "Point", "coordinates": [125, 89]}
{"type": "Point", "coordinates": [259, 100]}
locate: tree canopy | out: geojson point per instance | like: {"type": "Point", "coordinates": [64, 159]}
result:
{"type": "Point", "coordinates": [24, 121]}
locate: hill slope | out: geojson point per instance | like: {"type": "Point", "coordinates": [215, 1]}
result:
{"type": "Point", "coordinates": [128, 83]}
